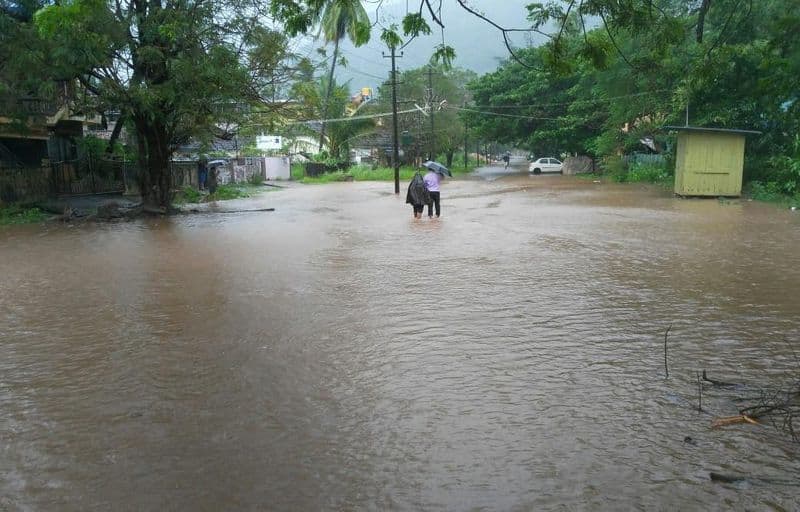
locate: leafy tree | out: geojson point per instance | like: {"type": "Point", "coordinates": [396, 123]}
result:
{"type": "Point", "coordinates": [174, 68]}
{"type": "Point", "coordinates": [730, 63]}
{"type": "Point", "coordinates": [23, 74]}
{"type": "Point", "coordinates": [340, 18]}
{"type": "Point", "coordinates": [300, 16]}
{"type": "Point", "coordinates": [440, 92]}
{"type": "Point", "coordinates": [340, 134]}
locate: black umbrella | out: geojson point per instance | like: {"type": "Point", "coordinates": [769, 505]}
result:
{"type": "Point", "coordinates": [215, 163]}
{"type": "Point", "coordinates": [437, 168]}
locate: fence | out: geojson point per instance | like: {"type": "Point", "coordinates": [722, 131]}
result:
{"type": "Point", "coordinates": [645, 158]}
{"type": "Point", "coordinates": [236, 170]}
{"type": "Point", "coordinates": [90, 176]}
{"type": "Point", "coordinates": [101, 176]}
{"type": "Point", "coordinates": [18, 184]}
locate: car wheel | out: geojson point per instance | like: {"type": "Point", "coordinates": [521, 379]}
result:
{"type": "Point", "coordinates": [537, 171]}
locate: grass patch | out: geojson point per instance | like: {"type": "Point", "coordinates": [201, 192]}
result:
{"type": "Point", "coordinates": [367, 173]}
{"type": "Point", "coordinates": [190, 195]}
{"type": "Point", "coordinates": [15, 214]}
{"type": "Point", "coordinates": [649, 173]}
{"type": "Point", "coordinates": [616, 169]}
{"type": "Point", "coordinates": [771, 192]}
{"type": "Point", "coordinates": [231, 191]}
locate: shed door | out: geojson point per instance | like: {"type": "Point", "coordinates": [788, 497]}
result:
{"type": "Point", "coordinates": [714, 164]}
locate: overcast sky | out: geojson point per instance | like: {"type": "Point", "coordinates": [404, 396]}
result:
{"type": "Point", "coordinates": [478, 45]}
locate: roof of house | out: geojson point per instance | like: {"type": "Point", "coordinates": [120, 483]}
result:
{"type": "Point", "coordinates": [712, 130]}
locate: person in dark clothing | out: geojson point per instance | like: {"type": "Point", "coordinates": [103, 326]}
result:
{"type": "Point", "coordinates": [418, 195]}
{"type": "Point", "coordinates": [202, 172]}
{"type": "Point", "coordinates": [213, 175]}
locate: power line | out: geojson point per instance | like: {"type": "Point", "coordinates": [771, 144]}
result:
{"type": "Point", "coordinates": [346, 119]}
{"type": "Point", "coordinates": [593, 100]}
{"type": "Point", "coordinates": [382, 78]}
{"type": "Point", "coordinates": [508, 115]}
{"type": "Point", "coordinates": [380, 64]}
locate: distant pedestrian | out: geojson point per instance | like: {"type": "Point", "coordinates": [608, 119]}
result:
{"type": "Point", "coordinates": [432, 181]}
{"type": "Point", "coordinates": [418, 195]}
{"type": "Point", "coordinates": [202, 173]}
{"type": "Point", "coordinates": [213, 177]}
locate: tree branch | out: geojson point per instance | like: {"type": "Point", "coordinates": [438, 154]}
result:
{"type": "Point", "coordinates": [614, 42]}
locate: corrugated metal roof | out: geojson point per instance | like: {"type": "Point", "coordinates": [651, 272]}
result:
{"type": "Point", "coordinates": [713, 130]}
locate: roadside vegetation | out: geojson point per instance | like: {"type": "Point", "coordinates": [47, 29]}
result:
{"type": "Point", "coordinates": [365, 173]}
{"type": "Point", "coordinates": [17, 214]}
{"type": "Point", "coordinates": [190, 195]}
{"type": "Point", "coordinates": [611, 90]}
{"type": "Point", "coordinates": [606, 81]}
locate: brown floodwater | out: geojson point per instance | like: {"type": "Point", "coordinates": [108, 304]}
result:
{"type": "Point", "coordinates": [336, 354]}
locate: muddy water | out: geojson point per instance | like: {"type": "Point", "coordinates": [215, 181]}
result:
{"type": "Point", "coordinates": [338, 355]}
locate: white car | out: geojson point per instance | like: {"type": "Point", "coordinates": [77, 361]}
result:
{"type": "Point", "coordinates": [546, 165]}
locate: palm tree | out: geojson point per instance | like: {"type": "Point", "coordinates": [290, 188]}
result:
{"type": "Point", "coordinates": [339, 134]}
{"type": "Point", "coordinates": [340, 18]}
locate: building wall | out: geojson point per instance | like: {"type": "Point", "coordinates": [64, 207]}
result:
{"type": "Point", "coordinates": [709, 164]}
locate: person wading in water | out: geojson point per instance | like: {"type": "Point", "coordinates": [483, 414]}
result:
{"type": "Point", "coordinates": [418, 195]}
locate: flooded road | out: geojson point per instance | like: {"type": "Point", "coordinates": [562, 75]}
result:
{"type": "Point", "coordinates": [336, 354]}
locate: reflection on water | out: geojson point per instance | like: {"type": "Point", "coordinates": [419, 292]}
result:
{"type": "Point", "coordinates": [336, 354]}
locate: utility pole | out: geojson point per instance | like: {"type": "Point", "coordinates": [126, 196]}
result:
{"type": "Point", "coordinates": [432, 149]}
{"type": "Point", "coordinates": [396, 147]}
{"type": "Point", "coordinates": [466, 126]}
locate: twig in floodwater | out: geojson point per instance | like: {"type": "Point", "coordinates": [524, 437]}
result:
{"type": "Point", "coordinates": [195, 210]}
{"type": "Point", "coordinates": [699, 392]}
{"type": "Point", "coordinates": [666, 368]}
{"type": "Point", "coordinates": [718, 383]}
{"type": "Point", "coordinates": [734, 479]}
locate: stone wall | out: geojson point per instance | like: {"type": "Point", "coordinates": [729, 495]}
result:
{"type": "Point", "coordinates": [577, 165]}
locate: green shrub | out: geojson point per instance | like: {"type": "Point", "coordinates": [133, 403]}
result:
{"type": "Point", "coordinates": [15, 214]}
{"type": "Point", "coordinates": [615, 167]}
{"type": "Point", "coordinates": [787, 170]}
{"type": "Point", "coordinates": [255, 179]}
{"type": "Point", "coordinates": [649, 173]}
{"type": "Point", "coordinates": [188, 195]}
{"type": "Point", "coordinates": [230, 191]}
{"type": "Point", "coordinates": [771, 192]}
{"type": "Point", "coordinates": [297, 171]}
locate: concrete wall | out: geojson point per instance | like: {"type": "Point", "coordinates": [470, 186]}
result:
{"type": "Point", "coordinates": [277, 168]}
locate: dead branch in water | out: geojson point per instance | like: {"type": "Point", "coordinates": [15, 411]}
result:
{"type": "Point", "coordinates": [733, 420]}
{"type": "Point", "coordinates": [728, 479]}
{"type": "Point", "coordinates": [196, 210]}
{"type": "Point", "coordinates": [780, 406]}
{"type": "Point", "coordinates": [699, 393]}
{"type": "Point", "coordinates": [666, 368]}
{"type": "Point", "coordinates": [718, 383]}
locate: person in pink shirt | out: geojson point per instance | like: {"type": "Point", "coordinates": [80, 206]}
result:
{"type": "Point", "coordinates": [432, 181]}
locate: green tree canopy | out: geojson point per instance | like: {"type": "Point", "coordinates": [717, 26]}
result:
{"type": "Point", "coordinates": [174, 68]}
{"type": "Point", "coordinates": [600, 90]}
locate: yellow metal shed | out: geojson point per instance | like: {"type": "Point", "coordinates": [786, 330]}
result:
{"type": "Point", "coordinates": [709, 161]}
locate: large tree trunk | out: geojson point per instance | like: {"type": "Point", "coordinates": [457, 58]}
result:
{"type": "Point", "coordinates": [115, 134]}
{"type": "Point", "coordinates": [155, 178]}
{"type": "Point", "coordinates": [449, 154]}
{"type": "Point", "coordinates": [701, 19]}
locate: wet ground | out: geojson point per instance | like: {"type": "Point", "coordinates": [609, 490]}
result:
{"type": "Point", "coordinates": [336, 354]}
